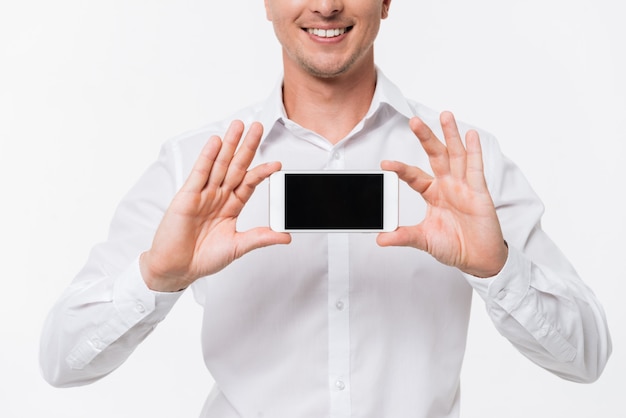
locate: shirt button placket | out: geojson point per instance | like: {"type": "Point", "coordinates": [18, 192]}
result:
{"type": "Point", "coordinates": [336, 160]}
{"type": "Point", "coordinates": [339, 324]}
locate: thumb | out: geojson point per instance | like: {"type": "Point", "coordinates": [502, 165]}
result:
{"type": "Point", "coordinates": [258, 238]}
{"type": "Point", "coordinates": [403, 237]}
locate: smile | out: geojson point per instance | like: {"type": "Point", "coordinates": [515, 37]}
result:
{"type": "Point", "coordinates": [328, 33]}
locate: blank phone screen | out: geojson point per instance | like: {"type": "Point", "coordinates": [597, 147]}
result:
{"type": "Point", "coordinates": [334, 201]}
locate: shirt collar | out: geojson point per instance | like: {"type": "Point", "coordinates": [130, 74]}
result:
{"type": "Point", "coordinates": [386, 93]}
{"type": "Point", "coordinates": [273, 109]}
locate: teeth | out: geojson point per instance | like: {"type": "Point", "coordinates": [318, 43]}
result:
{"type": "Point", "coordinates": [326, 33]}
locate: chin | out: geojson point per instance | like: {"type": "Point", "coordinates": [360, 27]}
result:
{"type": "Point", "coordinates": [326, 69]}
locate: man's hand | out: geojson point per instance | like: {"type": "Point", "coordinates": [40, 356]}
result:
{"type": "Point", "coordinates": [197, 235]}
{"type": "Point", "coordinates": [460, 228]}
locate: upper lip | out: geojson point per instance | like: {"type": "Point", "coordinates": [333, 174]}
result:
{"type": "Point", "coordinates": [326, 27]}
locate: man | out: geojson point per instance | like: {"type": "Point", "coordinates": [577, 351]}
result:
{"type": "Point", "coordinates": [340, 325]}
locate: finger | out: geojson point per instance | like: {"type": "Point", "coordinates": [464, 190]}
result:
{"type": "Point", "coordinates": [415, 177]}
{"type": "Point", "coordinates": [202, 167]}
{"type": "Point", "coordinates": [475, 167]}
{"type": "Point", "coordinates": [253, 178]}
{"type": "Point", "coordinates": [243, 157]}
{"type": "Point", "coordinates": [436, 150]}
{"type": "Point", "coordinates": [229, 145]}
{"type": "Point", "coordinates": [456, 150]}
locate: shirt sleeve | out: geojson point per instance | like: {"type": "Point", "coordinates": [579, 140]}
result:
{"type": "Point", "coordinates": [538, 301]}
{"type": "Point", "coordinates": [107, 310]}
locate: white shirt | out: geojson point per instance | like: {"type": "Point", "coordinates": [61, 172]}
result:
{"type": "Point", "coordinates": [331, 325]}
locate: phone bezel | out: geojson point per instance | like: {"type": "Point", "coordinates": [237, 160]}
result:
{"type": "Point", "coordinates": [277, 200]}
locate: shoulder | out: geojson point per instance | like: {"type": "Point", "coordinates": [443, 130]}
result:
{"type": "Point", "coordinates": [198, 136]}
{"type": "Point", "coordinates": [431, 117]}
{"type": "Point", "coordinates": [181, 151]}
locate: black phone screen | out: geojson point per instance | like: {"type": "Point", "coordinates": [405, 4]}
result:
{"type": "Point", "coordinates": [334, 201]}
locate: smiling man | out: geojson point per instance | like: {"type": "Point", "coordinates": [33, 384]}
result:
{"type": "Point", "coordinates": [329, 324]}
{"type": "Point", "coordinates": [328, 58]}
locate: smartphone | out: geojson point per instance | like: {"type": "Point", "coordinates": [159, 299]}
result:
{"type": "Point", "coordinates": [333, 201]}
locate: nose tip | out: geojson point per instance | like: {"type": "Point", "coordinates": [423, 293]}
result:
{"type": "Point", "coordinates": [328, 8]}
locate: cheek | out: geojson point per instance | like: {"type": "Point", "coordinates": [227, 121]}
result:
{"type": "Point", "coordinates": [280, 29]}
{"type": "Point", "coordinates": [371, 32]}
{"type": "Point", "coordinates": [372, 19]}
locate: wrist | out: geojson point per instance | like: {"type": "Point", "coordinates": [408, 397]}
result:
{"type": "Point", "coordinates": [498, 261]}
{"type": "Point", "coordinates": [155, 281]}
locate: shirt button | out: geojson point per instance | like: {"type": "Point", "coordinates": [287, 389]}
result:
{"type": "Point", "coordinates": [140, 308]}
{"type": "Point", "coordinates": [340, 385]}
{"type": "Point", "coordinates": [339, 305]}
{"type": "Point", "coordinates": [337, 155]}
{"type": "Point", "coordinates": [97, 344]}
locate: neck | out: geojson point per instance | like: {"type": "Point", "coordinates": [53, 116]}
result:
{"type": "Point", "coordinates": [331, 107]}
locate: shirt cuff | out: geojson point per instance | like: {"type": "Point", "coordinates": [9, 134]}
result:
{"type": "Point", "coordinates": [510, 292]}
{"type": "Point", "coordinates": [133, 303]}
{"type": "Point", "coordinates": [509, 286]}
{"type": "Point", "coordinates": [134, 300]}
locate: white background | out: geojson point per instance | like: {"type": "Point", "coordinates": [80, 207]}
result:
{"type": "Point", "coordinates": [90, 89]}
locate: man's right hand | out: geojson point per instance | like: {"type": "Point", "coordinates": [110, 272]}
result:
{"type": "Point", "coordinates": [197, 236]}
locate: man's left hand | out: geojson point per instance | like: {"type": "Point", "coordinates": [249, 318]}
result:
{"type": "Point", "coordinates": [461, 228]}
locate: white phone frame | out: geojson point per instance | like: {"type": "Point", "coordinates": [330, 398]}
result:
{"type": "Point", "coordinates": [390, 200]}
